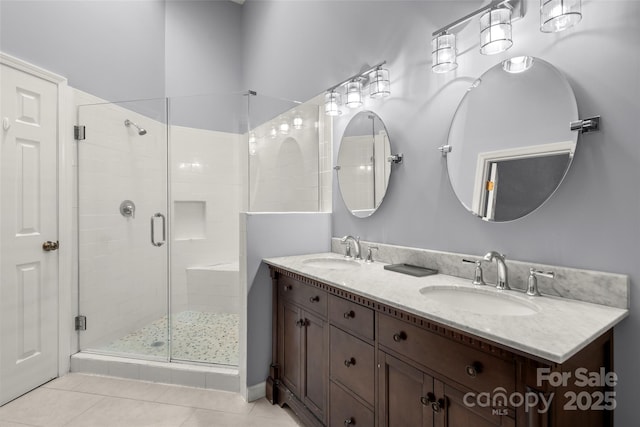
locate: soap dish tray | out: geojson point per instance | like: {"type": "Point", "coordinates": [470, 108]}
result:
{"type": "Point", "coordinates": [412, 270]}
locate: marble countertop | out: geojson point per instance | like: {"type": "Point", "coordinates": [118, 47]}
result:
{"type": "Point", "coordinates": [558, 329]}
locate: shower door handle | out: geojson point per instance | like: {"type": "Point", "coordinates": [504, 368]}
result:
{"type": "Point", "coordinates": [164, 230]}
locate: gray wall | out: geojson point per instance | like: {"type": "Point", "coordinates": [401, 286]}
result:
{"type": "Point", "coordinates": [204, 56]}
{"type": "Point", "coordinates": [592, 222]}
{"type": "Point", "coordinates": [112, 49]}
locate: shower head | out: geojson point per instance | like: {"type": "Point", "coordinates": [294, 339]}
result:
{"type": "Point", "coordinates": [141, 131]}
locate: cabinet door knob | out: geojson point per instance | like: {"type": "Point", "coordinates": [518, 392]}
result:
{"type": "Point", "coordinates": [349, 422]}
{"type": "Point", "coordinates": [286, 288]}
{"type": "Point", "coordinates": [349, 314]}
{"type": "Point", "coordinates": [428, 399]}
{"type": "Point", "coordinates": [474, 369]}
{"type": "Point", "coordinates": [314, 299]}
{"type": "Point", "coordinates": [400, 336]}
{"type": "Point", "coordinates": [301, 323]}
{"type": "Point", "coordinates": [349, 362]}
{"type": "Point", "coordinates": [437, 406]}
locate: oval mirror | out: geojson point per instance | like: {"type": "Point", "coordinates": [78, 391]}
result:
{"type": "Point", "coordinates": [510, 139]}
{"type": "Point", "coordinates": [363, 166]}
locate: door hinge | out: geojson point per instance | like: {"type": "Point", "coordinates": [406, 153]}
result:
{"type": "Point", "coordinates": [81, 323]}
{"type": "Point", "coordinates": [78, 133]}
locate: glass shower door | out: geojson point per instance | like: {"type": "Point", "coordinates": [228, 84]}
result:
{"type": "Point", "coordinates": [123, 229]}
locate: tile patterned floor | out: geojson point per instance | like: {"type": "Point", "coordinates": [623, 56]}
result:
{"type": "Point", "coordinates": [78, 400]}
{"type": "Point", "coordinates": [197, 336]}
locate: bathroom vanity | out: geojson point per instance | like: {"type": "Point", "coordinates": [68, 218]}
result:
{"type": "Point", "coordinates": [357, 345]}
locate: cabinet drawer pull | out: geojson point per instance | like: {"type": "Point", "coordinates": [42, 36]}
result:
{"type": "Point", "coordinates": [314, 299]}
{"type": "Point", "coordinates": [349, 362]}
{"type": "Point", "coordinates": [349, 314]}
{"type": "Point", "coordinates": [474, 369]}
{"type": "Point", "coordinates": [428, 399]}
{"type": "Point", "coordinates": [349, 422]}
{"type": "Point", "coordinates": [286, 288]}
{"type": "Point", "coordinates": [401, 336]}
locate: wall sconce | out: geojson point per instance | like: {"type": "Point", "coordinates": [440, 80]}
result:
{"type": "Point", "coordinates": [558, 15]}
{"type": "Point", "coordinates": [443, 53]}
{"type": "Point", "coordinates": [376, 78]}
{"type": "Point", "coordinates": [379, 85]}
{"type": "Point", "coordinates": [354, 94]}
{"type": "Point", "coordinates": [495, 31]}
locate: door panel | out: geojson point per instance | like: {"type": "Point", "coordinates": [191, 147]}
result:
{"type": "Point", "coordinates": [122, 200]}
{"type": "Point", "coordinates": [28, 218]}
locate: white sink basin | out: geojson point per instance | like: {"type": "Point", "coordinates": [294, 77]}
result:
{"type": "Point", "coordinates": [487, 302]}
{"type": "Point", "coordinates": [331, 263]}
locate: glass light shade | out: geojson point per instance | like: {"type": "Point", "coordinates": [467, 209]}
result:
{"type": "Point", "coordinates": [252, 137]}
{"type": "Point", "coordinates": [443, 53]}
{"type": "Point", "coordinates": [354, 94]}
{"type": "Point", "coordinates": [558, 15]}
{"type": "Point", "coordinates": [273, 133]}
{"type": "Point", "coordinates": [332, 101]}
{"type": "Point", "coordinates": [297, 122]}
{"type": "Point", "coordinates": [379, 85]}
{"type": "Point", "coordinates": [517, 64]}
{"type": "Point", "coordinates": [495, 31]}
{"type": "Point", "coordinates": [284, 128]}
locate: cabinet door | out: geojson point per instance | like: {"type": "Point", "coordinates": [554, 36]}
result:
{"type": "Point", "coordinates": [453, 410]}
{"type": "Point", "coordinates": [289, 345]}
{"type": "Point", "coordinates": [403, 394]}
{"type": "Point", "coordinates": [314, 361]}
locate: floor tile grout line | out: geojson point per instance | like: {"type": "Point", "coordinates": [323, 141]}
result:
{"type": "Point", "coordinates": [83, 412]}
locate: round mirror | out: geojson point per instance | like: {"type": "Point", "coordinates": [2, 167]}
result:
{"type": "Point", "coordinates": [510, 139]}
{"type": "Point", "coordinates": [363, 164]}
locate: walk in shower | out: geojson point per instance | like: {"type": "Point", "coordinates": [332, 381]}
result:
{"type": "Point", "coordinates": [160, 185]}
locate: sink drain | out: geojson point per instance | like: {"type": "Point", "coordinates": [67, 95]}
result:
{"type": "Point", "coordinates": [157, 344]}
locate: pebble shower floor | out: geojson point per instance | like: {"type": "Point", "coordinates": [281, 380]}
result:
{"type": "Point", "coordinates": [197, 336]}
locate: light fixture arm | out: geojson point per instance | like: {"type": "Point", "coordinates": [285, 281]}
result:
{"type": "Point", "coordinates": [516, 6]}
{"type": "Point", "coordinates": [356, 76]}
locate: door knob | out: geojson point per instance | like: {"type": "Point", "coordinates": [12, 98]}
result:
{"type": "Point", "coordinates": [49, 246]}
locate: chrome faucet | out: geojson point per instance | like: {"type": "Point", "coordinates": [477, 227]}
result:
{"type": "Point", "coordinates": [503, 280]}
{"type": "Point", "coordinates": [356, 245]}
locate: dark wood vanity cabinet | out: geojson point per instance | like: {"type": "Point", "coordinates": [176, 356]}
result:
{"type": "Point", "coordinates": [341, 360]}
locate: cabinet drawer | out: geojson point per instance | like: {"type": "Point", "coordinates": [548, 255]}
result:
{"type": "Point", "coordinates": [346, 410]}
{"type": "Point", "coordinates": [307, 296]}
{"type": "Point", "coordinates": [470, 367]}
{"type": "Point", "coordinates": [352, 363]}
{"type": "Point", "coordinates": [351, 316]}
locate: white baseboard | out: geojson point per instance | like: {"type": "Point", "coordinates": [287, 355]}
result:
{"type": "Point", "coordinates": [256, 392]}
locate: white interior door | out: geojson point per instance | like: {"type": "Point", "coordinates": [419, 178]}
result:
{"type": "Point", "coordinates": [28, 219]}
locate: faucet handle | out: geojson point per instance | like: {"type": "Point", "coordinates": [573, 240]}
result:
{"type": "Point", "coordinates": [478, 279]}
{"type": "Point", "coordinates": [532, 286]}
{"type": "Point", "coordinates": [370, 250]}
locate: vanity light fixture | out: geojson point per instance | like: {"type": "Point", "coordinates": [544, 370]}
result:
{"type": "Point", "coordinates": [379, 85]}
{"type": "Point", "coordinates": [332, 101]}
{"type": "Point", "coordinates": [443, 53]}
{"type": "Point", "coordinates": [495, 31]}
{"type": "Point", "coordinates": [558, 15]}
{"type": "Point", "coordinates": [354, 93]}
{"type": "Point", "coordinates": [375, 78]}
